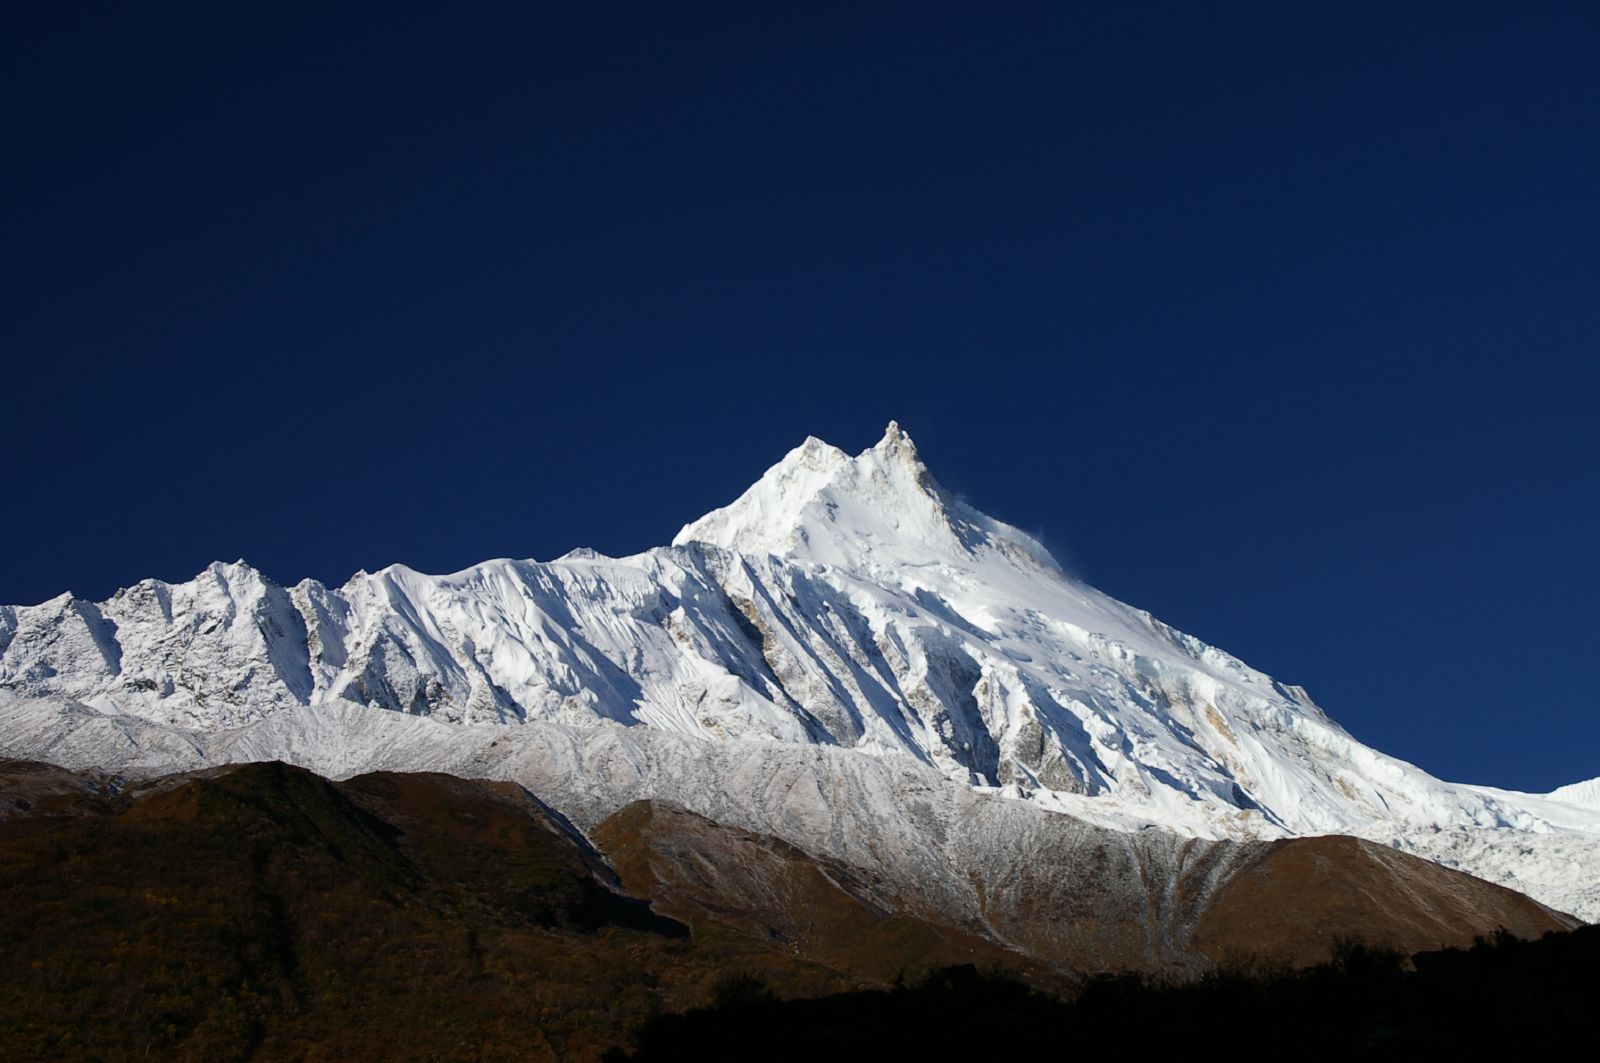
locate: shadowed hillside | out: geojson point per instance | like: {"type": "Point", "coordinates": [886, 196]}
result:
{"type": "Point", "coordinates": [263, 912]}
{"type": "Point", "coordinates": [1503, 995]}
{"type": "Point", "coordinates": [725, 881]}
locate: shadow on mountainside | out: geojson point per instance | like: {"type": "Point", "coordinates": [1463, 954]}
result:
{"type": "Point", "coordinates": [1500, 995]}
{"type": "Point", "coordinates": [262, 912]}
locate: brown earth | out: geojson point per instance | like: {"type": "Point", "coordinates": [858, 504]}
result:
{"type": "Point", "coordinates": [721, 880]}
{"type": "Point", "coordinates": [29, 790]}
{"type": "Point", "coordinates": [1297, 900]}
{"type": "Point", "coordinates": [1077, 903]}
{"type": "Point", "coordinates": [264, 912]}
{"type": "Point", "coordinates": [261, 911]}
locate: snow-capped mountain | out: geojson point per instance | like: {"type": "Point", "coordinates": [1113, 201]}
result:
{"type": "Point", "coordinates": [1583, 794]}
{"type": "Point", "coordinates": [841, 601]}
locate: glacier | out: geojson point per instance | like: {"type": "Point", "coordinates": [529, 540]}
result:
{"type": "Point", "coordinates": [844, 607]}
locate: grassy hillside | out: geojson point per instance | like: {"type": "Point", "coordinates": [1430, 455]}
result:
{"type": "Point", "coordinates": [262, 912]}
{"type": "Point", "coordinates": [265, 912]}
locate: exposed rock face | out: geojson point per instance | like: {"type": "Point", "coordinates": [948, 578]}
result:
{"type": "Point", "coordinates": [1105, 904]}
{"type": "Point", "coordinates": [841, 604]}
{"type": "Point", "coordinates": [715, 877]}
{"type": "Point", "coordinates": [1047, 897]}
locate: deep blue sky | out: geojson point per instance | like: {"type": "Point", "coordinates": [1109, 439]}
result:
{"type": "Point", "coordinates": [1281, 323]}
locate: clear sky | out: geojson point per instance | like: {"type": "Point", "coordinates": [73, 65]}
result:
{"type": "Point", "coordinates": [1281, 321]}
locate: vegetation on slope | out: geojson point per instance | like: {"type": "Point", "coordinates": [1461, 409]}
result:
{"type": "Point", "coordinates": [263, 912]}
{"type": "Point", "coordinates": [1500, 995]}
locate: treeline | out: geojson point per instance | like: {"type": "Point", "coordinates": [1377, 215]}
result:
{"type": "Point", "coordinates": [1500, 995]}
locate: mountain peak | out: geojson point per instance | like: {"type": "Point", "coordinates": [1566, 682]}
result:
{"type": "Point", "coordinates": [897, 447]}
{"type": "Point", "coordinates": [879, 508]}
{"type": "Point", "coordinates": [895, 438]}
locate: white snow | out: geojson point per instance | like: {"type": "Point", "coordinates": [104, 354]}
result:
{"type": "Point", "coordinates": [840, 602]}
{"type": "Point", "coordinates": [1583, 794]}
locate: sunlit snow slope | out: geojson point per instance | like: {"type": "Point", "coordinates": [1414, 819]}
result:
{"type": "Point", "coordinates": [841, 601]}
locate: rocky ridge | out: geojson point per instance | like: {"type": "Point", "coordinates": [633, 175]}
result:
{"type": "Point", "coordinates": [845, 619]}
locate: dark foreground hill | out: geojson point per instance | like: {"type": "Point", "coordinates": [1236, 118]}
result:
{"type": "Point", "coordinates": [1501, 998]}
{"type": "Point", "coordinates": [263, 912]}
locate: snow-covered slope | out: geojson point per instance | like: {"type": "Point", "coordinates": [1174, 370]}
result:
{"type": "Point", "coordinates": [1583, 794]}
{"type": "Point", "coordinates": [841, 601]}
